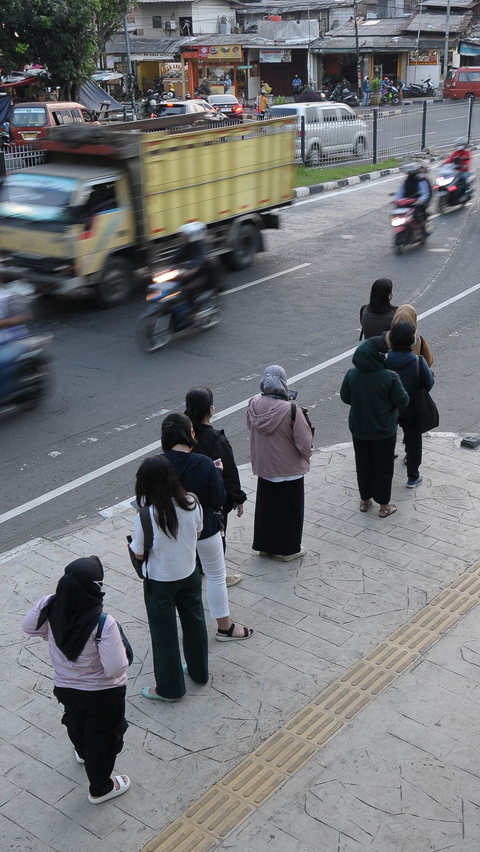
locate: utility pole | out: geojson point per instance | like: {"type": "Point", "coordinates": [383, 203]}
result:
{"type": "Point", "coordinates": [445, 50]}
{"type": "Point", "coordinates": [130, 85]}
{"type": "Point", "coordinates": [357, 50]}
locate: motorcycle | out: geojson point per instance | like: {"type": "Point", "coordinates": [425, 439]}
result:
{"type": "Point", "coordinates": [407, 227]}
{"type": "Point", "coordinates": [169, 311]}
{"type": "Point", "coordinates": [453, 187]}
{"type": "Point", "coordinates": [344, 96]}
{"type": "Point", "coordinates": [423, 89]}
{"type": "Point", "coordinates": [391, 96]}
{"type": "Point", "coordinates": [32, 374]}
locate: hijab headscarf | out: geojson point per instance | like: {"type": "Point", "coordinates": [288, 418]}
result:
{"type": "Point", "coordinates": [407, 313]}
{"type": "Point", "coordinates": [73, 611]}
{"type": "Point", "coordinates": [274, 382]}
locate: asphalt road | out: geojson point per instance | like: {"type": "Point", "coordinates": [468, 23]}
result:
{"type": "Point", "coordinates": [109, 398]}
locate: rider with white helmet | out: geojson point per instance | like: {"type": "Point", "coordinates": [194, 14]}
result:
{"type": "Point", "coordinates": [191, 255]}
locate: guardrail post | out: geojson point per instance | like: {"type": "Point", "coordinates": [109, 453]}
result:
{"type": "Point", "coordinates": [470, 116]}
{"type": "Point", "coordinates": [375, 135]}
{"type": "Point", "coordinates": [302, 138]}
{"type": "Point", "coordinates": [424, 126]}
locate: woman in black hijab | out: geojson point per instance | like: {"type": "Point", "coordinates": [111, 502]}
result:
{"type": "Point", "coordinates": [89, 672]}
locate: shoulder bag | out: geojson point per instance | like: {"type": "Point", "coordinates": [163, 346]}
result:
{"type": "Point", "coordinates": [126, 643]}
{"type": "Point", "coordinates": [147, 527]}
{"type": "Point", "coordinates": [426, 412]}
{"type": "Point", "coordinates": [293, 415]}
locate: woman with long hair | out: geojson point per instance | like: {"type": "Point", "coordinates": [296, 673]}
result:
{"type": "Point", "coordinates": [203, 478]}
{"type": "Point", "coordinates": [377, 316]}
{"type": "Point", "coordinates": [172, 580]}
{"type": "Point", "coordinates": [213, 443]}
{"type": "Point", "coordinates": [89, 674]}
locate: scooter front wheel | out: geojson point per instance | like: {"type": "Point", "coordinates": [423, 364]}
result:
{"type": "Point", "coordinates": [153, 332]}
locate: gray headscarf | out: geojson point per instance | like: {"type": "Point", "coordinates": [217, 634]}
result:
{"type": "Point", "coordinates": [274, 382]}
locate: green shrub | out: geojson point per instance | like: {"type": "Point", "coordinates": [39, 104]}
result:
{"type": "Point", "coordinates": [375, 85]}
{"type": "Point", "coordinates": [280, 100]}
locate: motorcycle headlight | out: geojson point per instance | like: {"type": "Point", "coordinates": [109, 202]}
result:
{"type": "Point", "coordinates": [398, 220]}
{"type": "Point", "coordinates": [163, 277]}
{"type": "Point", "coordinates": [444, 181]}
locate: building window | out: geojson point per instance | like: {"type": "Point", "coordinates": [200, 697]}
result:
{"type": "Point", "coordinates": [157, 22]}
{"type": "Point", "coordinates": [186, 28]}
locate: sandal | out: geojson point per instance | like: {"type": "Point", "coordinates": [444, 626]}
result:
{"type": "Point", "coordinates": [123, 786]}
{"type": "Point", "coordinates": [77, 756]}
{"type": "Point", "coordinates": [365, 505]}
{"type": "Point", "coordinates": [147, 694]}
{"type": "Point", "coordinates": [233, 579]}
{"type": "Point", "coordinates": [227, 635]}
{"type": "Point", "coordinates": [385, 513]}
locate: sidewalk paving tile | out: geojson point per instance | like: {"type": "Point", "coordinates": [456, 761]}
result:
{"type": "Point", "coordinates": [402, 776]}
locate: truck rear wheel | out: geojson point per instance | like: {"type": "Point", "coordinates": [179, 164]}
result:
{"type": "Point", "coordinates": [246, 246]}
{"type": "Point", "coordinates": [115, 285]}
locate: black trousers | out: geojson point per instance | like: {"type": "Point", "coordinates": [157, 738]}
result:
{"type": "Point", "coordinates": [279, 511]}
{"type": "Point", "coordinates": [162, 602]}
{"type": "Point", "coordinates": [374, 461]}
{"type": "Point", "coordinates": [95, 723]}
{"type": "Point", "coordinates": [413, 448]}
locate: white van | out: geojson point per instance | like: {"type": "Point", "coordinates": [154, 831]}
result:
{"type": "Point", "coordinates": [330, 129]}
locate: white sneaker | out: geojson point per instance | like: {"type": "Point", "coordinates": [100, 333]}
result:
{"type": "Point", "coordinates": [293, 556]}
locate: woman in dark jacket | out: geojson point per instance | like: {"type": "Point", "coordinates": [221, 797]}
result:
{"type": "Point", "coordinates": [374, 394]}
{"type": "Point", "coordinates": [199, 475]}
{"type": "Point", "coordinates": [414, 373]}
{"type": "Point", "coordinates": [214, 444]}
{"type": "Point", "coordinates": [377, 316]}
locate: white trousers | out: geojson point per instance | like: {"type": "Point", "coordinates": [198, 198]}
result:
{"type": "Point", "coordinates": [210, 551]}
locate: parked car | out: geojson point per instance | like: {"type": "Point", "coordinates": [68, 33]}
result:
{"type": "Point", "coordinates": [31, 121]}
{"type": "Point", "coordinates": [462, 83]}
{"type": "Point", "coordinates": [183, 107]}
{"type": "Point", "coordinates": [330, 129]}
{"type": "Point", "coordinates": [228, 105]}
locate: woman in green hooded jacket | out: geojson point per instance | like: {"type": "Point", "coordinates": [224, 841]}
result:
{"type": "Point", "coordinates": [375, 395]}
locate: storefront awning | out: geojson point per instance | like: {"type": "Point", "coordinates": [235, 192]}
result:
{"type": "Point", "coordinates": [16, 82]}
{"type": "Point", "coordinates": [469, 49]}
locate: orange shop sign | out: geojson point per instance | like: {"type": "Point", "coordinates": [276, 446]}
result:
{"type": "Point", "coordinates": [219, 51]}
{"type": "Point", "coordinates": [423, 57]}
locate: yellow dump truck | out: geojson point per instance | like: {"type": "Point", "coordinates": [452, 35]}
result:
{"type": "Point", "coordinates": [110, 200]}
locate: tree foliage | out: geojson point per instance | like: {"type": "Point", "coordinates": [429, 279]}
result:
{"type": "Point", "coordinates": [65, 36]}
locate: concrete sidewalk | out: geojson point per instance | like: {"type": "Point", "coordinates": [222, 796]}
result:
{"type": "Point", "coordinates": [350, 721]}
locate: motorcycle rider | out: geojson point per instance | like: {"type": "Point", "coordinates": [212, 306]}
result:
{"type": "Point", "coordinates": [461, 159]}
{"type": "Point", "coordinates": [191, 255]}
{"type": "Point", "coordinates": [417, 186]}
{"type": "Point", "coordinates": [13, 315]}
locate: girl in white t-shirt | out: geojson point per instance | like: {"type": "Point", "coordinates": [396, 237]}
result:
{"type": "Point", "coordinates": [174, 582]}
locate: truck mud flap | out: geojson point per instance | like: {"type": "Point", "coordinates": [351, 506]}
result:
{"type": "Point", "coordinates": [271, 220]}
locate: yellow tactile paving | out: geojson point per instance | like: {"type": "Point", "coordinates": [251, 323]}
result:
{"type": "Point", "coordinates": [227, 804]}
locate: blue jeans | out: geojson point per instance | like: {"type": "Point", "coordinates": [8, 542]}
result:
{"type": "Point", "coordinates": [366, 98]}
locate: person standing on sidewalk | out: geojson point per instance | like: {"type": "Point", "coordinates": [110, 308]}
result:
{"type": "Point", "coordinates": [172, 580]}
{"type": "Point", "coordinates": [89, 675]}
{"type": "Point", "coordinates": [280, 450]}
{"type": "Point", "coordinates": [407, 313]}
{"type": "Point", "coordinates": [414, 373]}
{"type": "Point", "coordinates": [377, 316]}
{"type": "Point", "coordinates": [374, 394]}
{"type": "Point", "coordinates": [213, 443]}
{"type": "Point", "coordinates": [200, 476]}
{"type": "Point", "coordinates": [366, 91]}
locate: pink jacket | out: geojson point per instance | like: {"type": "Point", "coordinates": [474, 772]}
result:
{"type": "Point", "coordinates": [101, 665]}
{"type": "Point", "coordinates": [278, 447]}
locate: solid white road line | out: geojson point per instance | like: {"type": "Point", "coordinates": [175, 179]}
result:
{"type": "Point", "coordinates": [143, 451]}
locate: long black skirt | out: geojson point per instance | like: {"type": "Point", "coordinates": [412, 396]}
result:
{"type": "Point", "coordinates": [279, 512]}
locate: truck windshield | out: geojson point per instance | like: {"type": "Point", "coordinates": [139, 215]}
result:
{"type": "Point", "coordinates": [36, 196]}
{"type": "Point", "coordinates": [29, 116]}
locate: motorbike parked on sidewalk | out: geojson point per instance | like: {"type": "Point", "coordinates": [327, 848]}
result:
{"type": "Point", "coordinates": [344, 96]}
{"type": "Point", "coordinates": [32, 374]}
{"type": "Point", "coordinates": [170, 311]}
{"type": "Point", "coordinates": [453, 187]}
{"type": "Point", "coordinates": [391, 96]}
{"type": "Point", "coordinates": [423, 89]}
{"type": "Point", "coordinates": [409, 228]}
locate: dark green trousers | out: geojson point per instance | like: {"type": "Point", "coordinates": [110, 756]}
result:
{"type": "Point", "coordinates": [162, 602]}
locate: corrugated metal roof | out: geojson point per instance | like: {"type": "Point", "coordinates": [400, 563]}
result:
{"type": "Point", "coordinates": [455, 4]}
{"type": "Point", "coordinates": [246, 40]}
{"type": "Point", "coordinates": [285, 7]}
{"type": "Point", "coordinates": [372, 27]}
{"type": "Point", "coordinates": [437, 23]}
{"type": "Point", "coordinates": [347, 44]}
{"type": "Point", "coordinates": [139, 46]}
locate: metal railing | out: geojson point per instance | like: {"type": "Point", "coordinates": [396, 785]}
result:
{"type": "Point", "coordinates": [400, 132]}
{"type": "Point", "coordinates": [22, 157]}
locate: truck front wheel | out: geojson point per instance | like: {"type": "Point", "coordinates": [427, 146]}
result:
{"type": "Point", "coordinates": [115, 285]}
{"type": "Point", "coordinates": [246, 245]}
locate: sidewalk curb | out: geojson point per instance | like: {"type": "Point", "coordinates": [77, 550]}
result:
{"type": "Point", "coordinates": [329, 186]}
